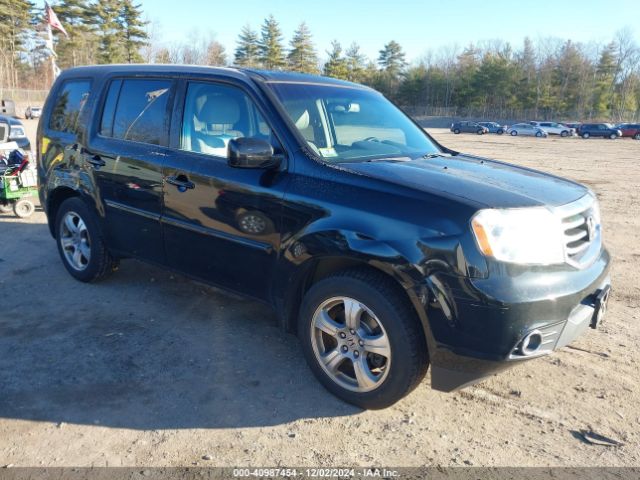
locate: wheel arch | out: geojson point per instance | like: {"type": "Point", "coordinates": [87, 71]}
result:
{"type": "Point", "coordinates": [317, 268]}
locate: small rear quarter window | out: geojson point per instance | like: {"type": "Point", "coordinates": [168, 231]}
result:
{"type": "Point", "coordinates": [68, 105]}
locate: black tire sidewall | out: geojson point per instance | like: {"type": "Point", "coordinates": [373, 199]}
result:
{"type": "Point", "coordinates": [398, 381]}
{"type": "Point", "coordinates": [78, 206]}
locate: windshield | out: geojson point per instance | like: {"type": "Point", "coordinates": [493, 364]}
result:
{"type": "Point", "coordinates": [351, 124]}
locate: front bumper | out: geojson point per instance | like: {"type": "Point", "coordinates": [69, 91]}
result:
{"type": "Point", "coordinates": [476, 326]}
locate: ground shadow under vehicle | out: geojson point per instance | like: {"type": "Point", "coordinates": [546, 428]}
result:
{"type": "Point", "coordinates": [146, 349]}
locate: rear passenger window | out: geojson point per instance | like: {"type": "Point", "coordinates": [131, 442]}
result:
{"type": "Point", "coordinates": [68, 106]}
{"type": "Point", "coordinates": [136, 110]}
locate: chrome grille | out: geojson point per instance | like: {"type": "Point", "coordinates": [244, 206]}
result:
{"type": "Point", "coordinates": [581, 230]}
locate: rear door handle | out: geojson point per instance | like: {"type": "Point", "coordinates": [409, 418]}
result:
{"type": "Point", "coordinates": [181, 182]}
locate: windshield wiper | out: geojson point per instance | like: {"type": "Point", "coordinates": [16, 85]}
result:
{"type": "Point", "coordinates": [388, 159]}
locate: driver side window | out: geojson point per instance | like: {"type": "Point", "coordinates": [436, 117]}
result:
{"type": "Point", "coordinates": [216, 114]}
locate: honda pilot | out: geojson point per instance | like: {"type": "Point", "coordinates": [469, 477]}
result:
{"type": "Point", "coordinates": [385, 251]}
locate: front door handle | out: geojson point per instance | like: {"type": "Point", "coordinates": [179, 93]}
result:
{"type": "Point", "coordinates": [181, 182]}
{"type": "Point", "coordinates": [96, 161]}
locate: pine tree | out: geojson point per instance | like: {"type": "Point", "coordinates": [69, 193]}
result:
{"type": "Point", "coordinates": [356, 63]}
{"type": "Point", "coordinates": [271, 49]}
{"type": "Point", "coordinates": [605, 77]}
{"type": "Point", "coordinates": [392, 59]}
{"type": "Point", "coordinates": [81, 47]}
{"type": "Point", "coordinates": [248, 48]}
{"type": "Point", "coordinates": [336, 65]}
{"type": "Point", "coordinates": [15, 17]}
{"type": "Point", "coordinates": [134, 35]}
{"type": "Point", "coordinates": [108, 26]}
{"type": "Point", "coordinates": [302, 56]}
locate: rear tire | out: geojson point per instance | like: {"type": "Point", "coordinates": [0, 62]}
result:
{"type": "Point", "coordinates": [636, 136]}
{"type": "Point", "coordinates": [456, 131]}
{"type": "Point", "coordinates": [538, 134]}
{"type": "Point", "coordinates": [564, 133]}
{"type": "Point", "coordinates": [480, 132]}
{"type": "Point", "coordinates": [6, 207]}
{"type": "Point", "coordinates": [80, 242]}
{"type": "Point", "coordinates": [339, 348]}
{"type": "Point", "coordinates": [23, 208]}
{"type": "Point", "coordinates": [613, 136]}
{"type": "Point", "coordinates": [500, 132]}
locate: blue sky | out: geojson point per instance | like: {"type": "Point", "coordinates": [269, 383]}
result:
{"type": "Point", "coordinates": [416, 25]}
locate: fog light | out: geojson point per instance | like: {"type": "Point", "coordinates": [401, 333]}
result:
{"type": "Point", "coordinates": [531, 343]}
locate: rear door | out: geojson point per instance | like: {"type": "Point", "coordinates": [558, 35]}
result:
{"type": "Point", "coordinates": [126, 152]}
{"type": "Point", "coordinates": [221, 224]}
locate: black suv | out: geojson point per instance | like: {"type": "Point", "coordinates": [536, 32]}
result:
{"type": "Point", "coordinates": [468, 127]}
{"type": "Point", "coordinates": [604, 130]}
{"type": "Point", "coordinates": [385, 251]}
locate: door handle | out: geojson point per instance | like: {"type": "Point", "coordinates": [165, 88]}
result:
{"type": "Point", "coordinates": [96, 161]}
{"type": "Point", "coordinates": [181, 182]}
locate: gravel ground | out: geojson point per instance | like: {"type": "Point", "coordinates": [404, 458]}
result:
{"type": "Point", "coordinates": [149, 368]}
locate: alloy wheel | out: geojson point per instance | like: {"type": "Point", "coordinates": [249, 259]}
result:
{"type": "Point", "coordinates": [350, 344]}
{"type": "Point", "coordinates": [75, 241]}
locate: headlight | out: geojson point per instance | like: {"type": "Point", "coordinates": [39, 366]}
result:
{"type": "Point", "coordinates": [522, 235]}
{"type": "Point", "coordinates": [16, 132]}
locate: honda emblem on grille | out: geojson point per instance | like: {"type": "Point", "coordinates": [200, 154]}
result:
{"type": "Point", "coordinates": [591, 228]}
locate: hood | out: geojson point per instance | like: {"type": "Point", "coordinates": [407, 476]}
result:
{"type": "Point", "coordinates": [486, 183]}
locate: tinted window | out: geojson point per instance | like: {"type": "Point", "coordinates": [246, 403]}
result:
{"type": "Point", "coordinates": [68, 105]}
{"type": "Point", "coordinates": [140, 111]}
{"type": "Point", "coordinates": [216, 114]}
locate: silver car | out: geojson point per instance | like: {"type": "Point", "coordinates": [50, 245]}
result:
{"type": "Point", "coordinates": [526, 130]}
{"type": "Point", "coordinates": [33, 112]}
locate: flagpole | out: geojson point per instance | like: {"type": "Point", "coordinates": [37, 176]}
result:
{"type": "Point", "coordinates": [54, 68]}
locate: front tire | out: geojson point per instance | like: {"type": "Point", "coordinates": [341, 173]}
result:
{"type": "Point", "coordinates": [362, 339]}
{"type": "Point", "coordinates": [80, 242]}
{"type": "Point", "coordinates": [564, 133]}
{"type": "Point", "coordinates": [514, 133]}
{"type": "Point", "coordinates": [613, 136]}
{"type": "Point", "coordinates": [585, 135]}
{"type": "Point", "coordinates": [456, 131]}
{"type": "Point", "coordinates": [636, 136]}
{"type": "Point", "coordinates": [6, 207]}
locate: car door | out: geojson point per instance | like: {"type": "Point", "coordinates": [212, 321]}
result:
{"type": "Point", "coordinates": [126, 152]}
{"type": "Point", "coordinates": [221, 224]}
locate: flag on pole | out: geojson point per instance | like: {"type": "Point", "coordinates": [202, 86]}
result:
{"type": "Point", "coordinates": [53, 21]}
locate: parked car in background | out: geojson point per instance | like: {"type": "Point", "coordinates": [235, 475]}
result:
{"type": "Point", "coordinates": [468, 127]}
{"type": "Point", "coordinates": [16, 131]}
{"type": "Point", "coordinates": [604, 130]}
{"type": "Point", "coordinates": [7, 107]}
{"type": "Point", "coordinates": [32, 112]}
{"type": "Point", "coordinates": [553, 128]}
{"type": "Point", "coordinates": [630, 130]}
{"type": "Point", "coordinates": [526, 129]}
{"type": "Point", "coordinates": [573, 125]}
{"type": "Point", "coordinates": [454, 262]}
{"type": "Point", "coordinates": [494, 127]}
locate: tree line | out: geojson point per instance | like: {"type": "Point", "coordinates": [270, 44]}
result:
{"type": "Point", "coordinates": [547, 78]}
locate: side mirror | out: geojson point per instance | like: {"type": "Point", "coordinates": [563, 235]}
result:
{"type": "Point", "coordinates": [251, 153]}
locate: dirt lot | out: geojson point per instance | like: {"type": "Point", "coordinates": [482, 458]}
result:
{"type": "Point", "coordinates": [149, 368]}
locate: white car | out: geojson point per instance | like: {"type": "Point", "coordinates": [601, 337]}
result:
{"type": "Point", "coordinates": [526, 129]}
{"type": "Point", "coordinates": [553, 128]}
{"type": "Point", "coordinates": [33, 112]}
